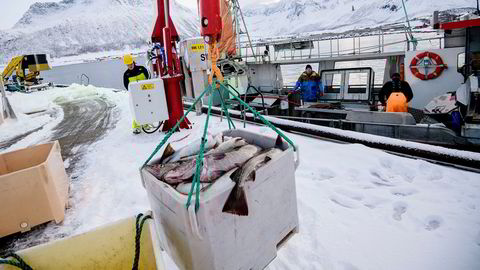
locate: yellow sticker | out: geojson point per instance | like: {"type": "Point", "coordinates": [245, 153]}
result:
{"type": "Point", "coordinates": [148, 86]}
{"type": "Point", "coordinates": [198, 47]}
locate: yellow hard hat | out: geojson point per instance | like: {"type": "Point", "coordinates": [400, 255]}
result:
{"type": "Point", "coordinates": [128, 59]}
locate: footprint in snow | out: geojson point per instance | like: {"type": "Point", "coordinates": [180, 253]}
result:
{"type": "Point", "coordinates": [381, 179]}
{"type": "Point", "coordinates": [477, 239]}
{"type": "Point", "coordinates": [325, 174]}
{"type": "Point", "coordinates": [386, 163]}
{"type": "Point", "coordinates": [349, 194]}
{"type": "Point", "coordinates": [399, 208]}
{"type": "Point", "coordinates": [433, 222]}
{"type": "Point", "coordinates": [403, 191]}
{"type": "Point", "coordinates": [343, 201]}
{"type": "Point", "coordinates": [373, 202]}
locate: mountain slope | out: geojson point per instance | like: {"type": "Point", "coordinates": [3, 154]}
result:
{"type": "Point", "coordinates": [288, 17]}
{"type": "Point", "coordinates": [73, 27]}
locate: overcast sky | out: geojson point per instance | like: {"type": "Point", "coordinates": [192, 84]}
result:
{"type": "Point", "coordinates": [12, 10]}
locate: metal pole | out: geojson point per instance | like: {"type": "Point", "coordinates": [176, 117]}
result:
{"type": "Point", "coordinates": [167, 12]}
{"type": "Point", "coordinates": [353, 45]}
{"type": "Point", "coordinates": [237, 25]}
{"type": "Point", "coordinates": [338, 47]}
{"type": "Point", "coordinates": [318, 47]}
{"type": "Point", "coordinates": [331, 48]}
{"type": "Point", "coordinates": [359, 38]}
{"type": "Point", "coordinates": [383, 42]}
{"type": "Point", "coordinates": [246, 30]}
{"type": "Point", "coordinates": [291, 50]}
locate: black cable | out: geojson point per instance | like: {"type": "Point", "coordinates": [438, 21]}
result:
{"type": "Point", "coordinates": [138, 232]}
{"type": "Point", "coordinates": [18, 262]}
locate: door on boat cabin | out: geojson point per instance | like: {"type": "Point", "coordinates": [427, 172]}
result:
{"type": "Point", "coordinates": [354, 84]}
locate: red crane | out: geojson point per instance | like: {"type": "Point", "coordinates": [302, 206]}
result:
{"type": "Point", "coordinates": [168, 64]}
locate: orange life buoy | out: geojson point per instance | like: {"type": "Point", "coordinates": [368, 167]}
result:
{"type": "Point", "coordinates": [439, 66]}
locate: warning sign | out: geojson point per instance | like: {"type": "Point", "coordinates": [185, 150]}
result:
{"type": "Point", "coordinates": [148, 86]}
{"type": "Point", "coordinates": [198, 47]}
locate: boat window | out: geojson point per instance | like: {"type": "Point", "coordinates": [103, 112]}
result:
{"type": "Point", "coordinates": [357, 82]}
{"type": "Point", "coordinates": [332, 82]}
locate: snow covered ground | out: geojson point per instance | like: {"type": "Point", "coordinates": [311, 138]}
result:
{"type": "Point", "coordinates": [359, 208]}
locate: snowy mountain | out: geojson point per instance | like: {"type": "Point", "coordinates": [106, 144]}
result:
{"type": "Point", "coordinates": [288, 17]}
{"type": "Point", "coordinates": [73, 27]}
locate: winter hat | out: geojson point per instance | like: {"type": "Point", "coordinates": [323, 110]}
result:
{"type": "Point", "coordinates": [308, 66]}
{"type": "Point", "coordinates": [396, 74]}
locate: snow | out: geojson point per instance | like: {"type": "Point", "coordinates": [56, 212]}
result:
{"type": "Point", "coordinates": [78, 27]}
{"type": "Point", "coordinates": [33, 111]}
{"type": "Point", "coordinates": [290, 17]}
{"type": "Point", "coordinates": [359, 208]}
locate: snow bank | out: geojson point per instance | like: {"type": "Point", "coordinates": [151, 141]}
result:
{"type": "Point", "coordinates": [39, 112]}
{"type": "Point", "coordinates": [33, 112]}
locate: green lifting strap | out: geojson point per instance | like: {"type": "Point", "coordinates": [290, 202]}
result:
{"type": "Point", "coordinates": [169, 134]}
{"type": "Point", "coordinates": [199, 162]}
{"type": "Point", "coordinates": [227, 113]}
{"type": "Point", "coordinates": [265, 121]}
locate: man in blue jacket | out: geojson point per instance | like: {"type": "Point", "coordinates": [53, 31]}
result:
{"type": "Point", "coordinates": [309, 85]}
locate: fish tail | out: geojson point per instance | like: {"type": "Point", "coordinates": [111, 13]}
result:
{"type": "Point", "coordinates": [279, 142]}
{"type": "Point", "coordinates": [237, 202]}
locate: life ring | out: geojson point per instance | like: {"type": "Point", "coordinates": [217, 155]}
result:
{"type": "Point", "coordinates": [422, 59]}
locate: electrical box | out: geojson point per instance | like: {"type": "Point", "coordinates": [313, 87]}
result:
{"type": "Point", "coordinates": [148, 103]}
{"type": "Point", "coordinates": [195, 53]}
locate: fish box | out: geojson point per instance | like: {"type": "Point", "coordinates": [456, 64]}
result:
{"type": "Point", "coordinates": [33, 188]}
{"type": "Point", "coordinates": [210, 239]}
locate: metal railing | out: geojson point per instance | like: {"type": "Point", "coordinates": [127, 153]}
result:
{"type": "Point", "coordinates": [339, 45]}
{"type": "Point", "coordinates": [86, 78]}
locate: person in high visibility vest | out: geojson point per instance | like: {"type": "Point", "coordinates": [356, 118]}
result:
{"type": "Point", "coordinates": [134, 73]}
{"type": "Point", "coordinates": [396, 94]}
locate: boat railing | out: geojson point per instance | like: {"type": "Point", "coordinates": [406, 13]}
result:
{"type": "Point", "coordinates": [320, 48]}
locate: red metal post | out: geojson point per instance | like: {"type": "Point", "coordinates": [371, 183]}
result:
{"type": "Point", "coordinates": [210, 19]}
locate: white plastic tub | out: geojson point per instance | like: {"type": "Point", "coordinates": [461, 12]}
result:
{"type": "Point", "coordinates": [211, 239]}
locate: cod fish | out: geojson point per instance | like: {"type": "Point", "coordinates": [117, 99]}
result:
{"type": "Point", "coordinates": [223, 147]}
{"type": "Point", "coordinates": [184, 188]}
{"type": "Point", "coordinates": [214, 165]}
{"type": "Point", "coordinates": [237, 201]}
{"type": "Point", "coordinates": [159, 171]}
{"type": "Point", "coordinates": [189, 150]}
{"type": "Point", "coordinates": [228, 145]}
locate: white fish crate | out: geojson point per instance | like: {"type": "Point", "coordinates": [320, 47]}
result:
{"type": "Point", "coordinates": [211, 239]}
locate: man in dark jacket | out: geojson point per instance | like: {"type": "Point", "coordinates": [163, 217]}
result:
{"type": "Point", "coordinates": [395, 94]}
{"type": "Point", "coordinates": [309, 85]}
{"type": "Point", "coordinates": [134, 73]}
